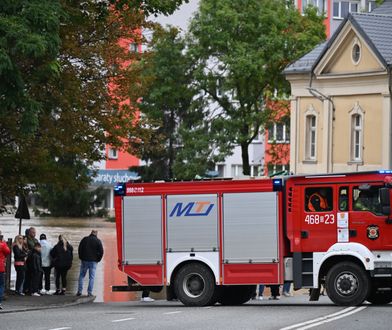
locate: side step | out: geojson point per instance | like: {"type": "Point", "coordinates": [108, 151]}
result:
{"type": "Point", "coordinates": [303, 270]}
{"type": "Point", "coordinates": [128, 288]}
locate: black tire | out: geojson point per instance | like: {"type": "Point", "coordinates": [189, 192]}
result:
{"type": "Point", "coordinates": [347, 284]}
{"type": "Point", "coordinates": [194, 285]}
{"type": "Point", "coordinates": [378, 297]}
{"type": "Point", "coordinates": [236, 294]}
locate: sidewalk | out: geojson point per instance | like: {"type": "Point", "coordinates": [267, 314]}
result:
{"type": "Point", "coordinates": [13, 303]}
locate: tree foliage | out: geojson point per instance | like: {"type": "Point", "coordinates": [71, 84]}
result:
{"type": "Point", "coordinates": [73, 200]}
{"type": "Point", "coordinates": [178, 142]}
{"type": "Point", "coordinates": [241, 48]}
{"type": "Point", "coordinates": [62, 83]}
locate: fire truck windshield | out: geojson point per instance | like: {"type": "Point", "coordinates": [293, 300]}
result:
{"type": "Point", "coordinates": [367, 199]}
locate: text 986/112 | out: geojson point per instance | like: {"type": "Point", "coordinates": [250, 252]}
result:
{"type": "Point", "coordinates": [135, 190]}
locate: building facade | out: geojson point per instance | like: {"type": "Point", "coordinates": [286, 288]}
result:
{"type": "Point", "coordinates": [341, 98]}
{"type": "Point", "coordinates": [335, 11]}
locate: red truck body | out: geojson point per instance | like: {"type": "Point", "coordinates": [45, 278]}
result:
{"type": "Point", "coordinates": [240, 233]}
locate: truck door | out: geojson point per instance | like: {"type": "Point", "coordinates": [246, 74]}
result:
{"type": "Point", "coordinates": [368, 225]}
{"type": "Point", "coordinates": [318, 223]}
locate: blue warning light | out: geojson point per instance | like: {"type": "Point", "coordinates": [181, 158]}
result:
{"type": "Point", "coordinates": [119, 189]}
{"type": "Point", "coordinates": [277, 184]}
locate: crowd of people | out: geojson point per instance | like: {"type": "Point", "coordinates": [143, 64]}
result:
{"type": "Point", "coordinates": [34, 260]}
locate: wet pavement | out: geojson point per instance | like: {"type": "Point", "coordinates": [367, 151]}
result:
{"type": "Point", "coordinates": [74, 230]}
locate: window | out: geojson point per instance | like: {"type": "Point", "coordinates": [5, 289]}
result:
{"type": "Point", "coordinates": [318, 199]}
{"type": "Point", "coordinates": [219, 87]}
{"type": "Point", "coordinates": [319, 4]}
{"type": "Point", "coordinates": [310, 137]}
{"type": "Point", "coordinates": [259, 136]}
{"type": "Point", "coordinates": [356, 53]}
{"type": "Point", "coordinates": [279, 133]}
{"type": "Point", "coordinates": [221, 170]}
{"type": "Point", "coordinates": [256, 170]}
{"type": "Point", "coordinates": [112, 154]}
{"type": "Point", "coordinates": [367, 198]}
{"type": "Point", "coordinates": [356, 137]}
{"type": "Point", "coordinates": [342, 8]}
{"type": "Point", "coordinates": [276, 168]}
{"type": "Point", "coordinates": [336, 9]}
{"type": "Point", "coordinates": [236, 170]}
{"type": "Point", "coordinates": [371, 6]}
{"type": "Point", "coordinates": [133, 48]}
{"type": "Point", "coordinates": [343, 199]}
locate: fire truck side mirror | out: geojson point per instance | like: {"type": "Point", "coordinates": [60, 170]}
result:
{"type": "Point", "coordinates": [385, 201]}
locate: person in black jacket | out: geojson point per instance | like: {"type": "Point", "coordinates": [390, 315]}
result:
{"type": "Point", "coordinates": [90, 253]}
{"type": "Point", "coordinates": [34, 263]}
{"type": "Point", "coordinates": [62, 256]}
{"type": "Point", "coordinates": [20, 256]}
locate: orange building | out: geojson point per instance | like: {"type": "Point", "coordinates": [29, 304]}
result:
{"type": "Point", "coordinates": [277, 138]}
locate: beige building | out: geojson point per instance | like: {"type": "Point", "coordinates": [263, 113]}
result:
{"type": "Point", "coordinates": [341, 99]}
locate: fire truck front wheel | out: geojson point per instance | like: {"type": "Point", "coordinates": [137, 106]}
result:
{"type": "Point", "coordinates": [194, 285]}
{"type": "Point", "coordinates": [348, 284]}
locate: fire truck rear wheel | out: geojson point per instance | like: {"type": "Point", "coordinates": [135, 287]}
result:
{"type": "Point", "coordinates": [194, 285]}
{"type": "Point", "coordinates": [236, 294]}
{"type": "Point", "coordinates": [348, 284]}
{"type": "Point", "coordinates": [377, 297]}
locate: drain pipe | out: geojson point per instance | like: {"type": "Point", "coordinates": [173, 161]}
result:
{"type": "Point", "coordinates": [322, 97]}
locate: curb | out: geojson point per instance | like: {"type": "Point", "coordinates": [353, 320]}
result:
{"type": "Point", "coordinates": [79, 301]}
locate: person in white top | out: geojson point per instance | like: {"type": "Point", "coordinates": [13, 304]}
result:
{"type": "Point", "coordinates": [46, 263]}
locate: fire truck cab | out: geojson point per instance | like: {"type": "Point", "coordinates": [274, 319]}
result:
{"type": "Point", "coordinates": [214, 241]}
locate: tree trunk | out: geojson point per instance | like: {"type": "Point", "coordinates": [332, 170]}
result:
{"type": "Point", "coordinates": [245, 158]}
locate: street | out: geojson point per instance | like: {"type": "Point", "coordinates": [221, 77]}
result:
{"type": "Point", "coordinates": [288, 313]}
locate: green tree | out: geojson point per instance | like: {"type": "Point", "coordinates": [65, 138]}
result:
{"type": "Point", "coordinates": [73, 200]}
{"type": "Point", "coordinates": [62, 83]}
{"type": "Point", "coordinates": [241, 48]}
{"type": "Point", "coordinates": [180, 144]}
{"type": "Point", "coordinates": [29, 46]}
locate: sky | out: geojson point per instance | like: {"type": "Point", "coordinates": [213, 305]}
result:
{"type": "Point", "coordinates": [180, 17]}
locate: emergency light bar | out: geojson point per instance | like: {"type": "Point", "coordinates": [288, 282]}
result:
{"type": "Point", "coordinates": [385, 172]}
{"type": "Point", "coordinates": [119, 189]}
{"type": "Point", "coordinates": [277, 184]}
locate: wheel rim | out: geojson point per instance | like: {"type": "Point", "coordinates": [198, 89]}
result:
{"type": "Point", "coordinates": [346, 284]}
{"type": "Point", "coordinates": [193, 285]}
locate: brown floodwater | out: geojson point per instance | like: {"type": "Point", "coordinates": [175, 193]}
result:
{"type": "Point", "coordinates": [74, 229]}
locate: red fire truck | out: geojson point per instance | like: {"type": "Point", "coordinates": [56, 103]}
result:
{"type": "Point", "coordinates": [214, 241]}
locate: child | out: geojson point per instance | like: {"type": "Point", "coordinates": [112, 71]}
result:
{"type": "Point", "coordinates": [34, 262]}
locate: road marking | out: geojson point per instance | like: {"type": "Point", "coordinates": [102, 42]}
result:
{"type": "Point", "coordinates": [207, 307]}
{"type": "Point", "coordinates": [318, 319]}
{"type": "Point", "coordinates": [123, 320]}
{"type": "Point", "coordinates": [64, 328]}
{"type": "Point", "coordinates": [325, 319]}
{"type": "Point", "coordinates": [334, 318]}
{"type": "Point", "coordinates": [169, 313]}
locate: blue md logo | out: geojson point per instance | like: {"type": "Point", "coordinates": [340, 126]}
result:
{"type": "Point", "coordinates": [192, 209]}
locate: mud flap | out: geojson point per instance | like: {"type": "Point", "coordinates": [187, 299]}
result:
{"type": "Point", "coordinates": [314, 294]}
